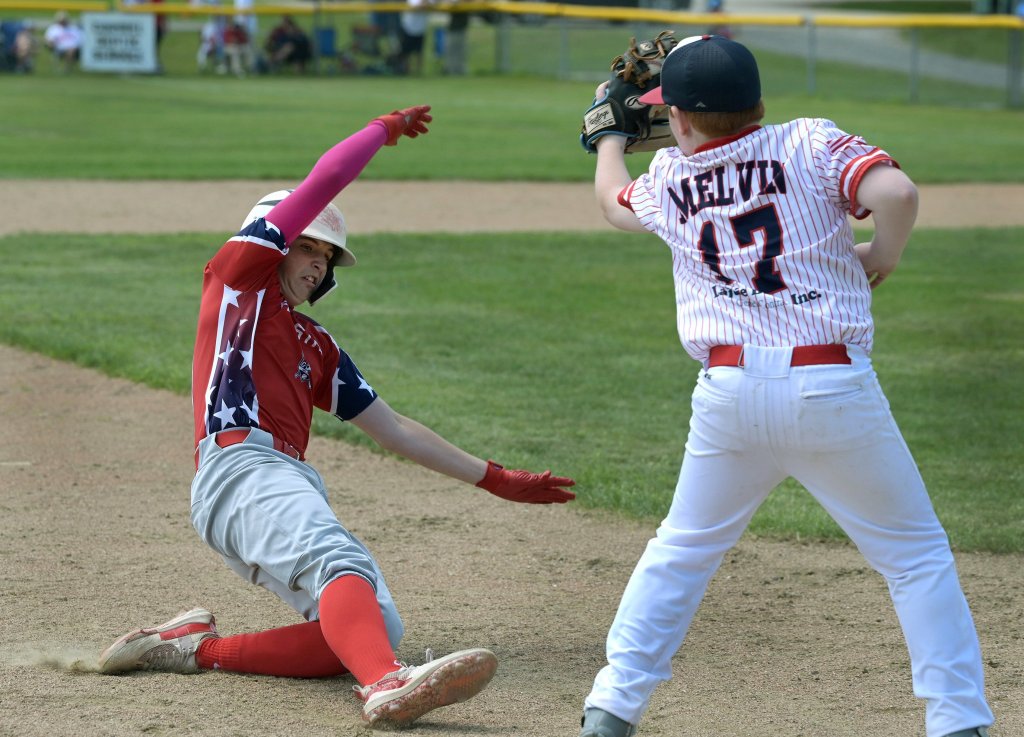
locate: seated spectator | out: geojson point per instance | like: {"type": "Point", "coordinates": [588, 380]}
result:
{"type": "Point", "coordinates": [237, 48]}
{"type": "Point", "coordinates": [455, 44]}
{"type": "Point", "coordinates": [9, 30]}
{"type": "Point", "coordinates": [24, 48]}
{"type": "Point", "coordinates": [412, 30]}
{"type": "Point", "coordinates": [387, 24]}
{"type": "Point", "coordinates": [64, 39]}
{"type": "Point", "coordinates": [288, 45]}
{"type": "Point", "coordinates": [211, 45]}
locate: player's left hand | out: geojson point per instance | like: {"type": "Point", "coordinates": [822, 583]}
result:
{"type": "Point", "coordinates": [411, 122]}
{"type": "Point", "coordinates": [877, 269]}
{"type": "Point", "coordinates": [526, 487]}
{"type": "Point", "coordinates": [617, 111]}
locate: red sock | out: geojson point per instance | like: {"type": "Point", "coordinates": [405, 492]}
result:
{"type": "Point", "coordinates": [352, 624]}
{"type": "Point", "coordinates": [297, 651]}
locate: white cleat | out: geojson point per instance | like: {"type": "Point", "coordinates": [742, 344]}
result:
{"type": "Point", "coordinates": [169, 647]}
{"type": "Point", "coordinates": [401, 697]}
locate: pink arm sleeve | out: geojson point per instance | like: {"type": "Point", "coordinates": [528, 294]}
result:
{"type": "Point", "coordinates": [334, 171]}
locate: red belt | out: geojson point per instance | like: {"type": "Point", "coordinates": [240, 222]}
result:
{"type": "Point", "coordinates": [234, 437]}
{"type": "Point", "coordinates": [803, 355]}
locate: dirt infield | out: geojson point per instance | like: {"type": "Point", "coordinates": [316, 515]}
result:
{"type": "Point", "coordinates": [146, 206]}
{"type": "Point", "coordinates": [793, 639]}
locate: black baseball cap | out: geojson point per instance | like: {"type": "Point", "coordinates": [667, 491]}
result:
{"type": "Point", "coordinates": [708, 74]}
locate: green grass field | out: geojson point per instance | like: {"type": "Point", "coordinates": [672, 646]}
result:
{"type": "Point", "coordinates": [569, 358]}
{"type": "Point", "coordinates": [985, 44]}
{"type": "Point", "coordinates": [487, 128]}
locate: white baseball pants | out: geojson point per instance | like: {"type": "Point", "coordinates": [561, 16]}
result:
{"type": "Point", "coordinates": [830, 428]}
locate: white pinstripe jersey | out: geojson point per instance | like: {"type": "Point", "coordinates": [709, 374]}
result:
{"type": "Point", "coordinates": [762, 250]}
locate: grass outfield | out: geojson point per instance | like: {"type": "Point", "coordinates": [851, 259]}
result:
{"type": "Point", "coordinates": [567, 356]}
{"type": "Point", "coordinates": [565, 359]}
{"type": "Point", "coordinates": [486, 128]}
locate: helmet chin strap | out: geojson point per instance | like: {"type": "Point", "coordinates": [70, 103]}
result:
{"type": "Point", "coordinates": [325, 286]}
{"type": "Point", "coordinates": [328, 226]}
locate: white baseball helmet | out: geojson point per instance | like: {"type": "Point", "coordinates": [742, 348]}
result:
{"type": "Point", "coordinates": [328, 226]}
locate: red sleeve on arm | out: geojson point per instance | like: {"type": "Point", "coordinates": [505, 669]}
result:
{"type": "Point", "coordinates": [855, 172]}
{"type": "Point", "coordinates": [334, 171]}
{"type": "Point", "coordinates": [625, 194]}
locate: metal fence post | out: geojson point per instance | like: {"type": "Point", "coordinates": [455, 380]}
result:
{"type": "Point", "coordinates": [563, 53]}
{"type": "Point", "coordinates": [915, 56]}
{"type": "Point", "coordinates": [315, 38]}
{"type": "Point", "coordinates": [502, 63]}
{"type": "Point", "coordinates": [812, 55]}
{"type": "Point", "coordinates": [1013, 69]}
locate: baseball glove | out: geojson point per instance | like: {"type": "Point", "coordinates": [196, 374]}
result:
{"type": "Point", "coordinates": [619, 112]}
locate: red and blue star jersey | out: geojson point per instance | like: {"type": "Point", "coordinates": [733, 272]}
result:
{"type": "Point", "coordinates": [257, 362]}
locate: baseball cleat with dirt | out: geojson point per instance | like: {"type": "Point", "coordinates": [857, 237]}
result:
{"type": "Point", "coordinates": [599, 723]}
{"type": "Point", "coordinates": [401, 697]}
{"type": "Point", "coordinates": [169, 647]}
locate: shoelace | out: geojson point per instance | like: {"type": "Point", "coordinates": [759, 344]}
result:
{"type": "Point", "coordinates": [403, 669]}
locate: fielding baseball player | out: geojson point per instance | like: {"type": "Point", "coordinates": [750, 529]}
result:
{"type": "Point", "coordinates": [773, 298]}
{"type": "Point", "coordinates": [258, 371]}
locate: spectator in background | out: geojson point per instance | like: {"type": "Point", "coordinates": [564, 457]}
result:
{"type": "Point", "coordinates": [412, 29]}
{"type": "Point", "coordinates": [719, 29]}
{"type": "Point", "coordinates": [25, 48]}
{"type": "Point", "coordinates": [387, 25]}
{"type": "Point", "coordinates": [17, 46]}
{"type": "Point", "coordinates": [64, 39]}
{"type": "Point", "coordinates": [455, 47]}
{"type": "Point", "coordinates": [211, 45]}
{"type": "Point", "coordinates": [250, 23]}
{"type": "Point", "coordinates": [161, 31]}
{"type": "Point", "coordinates": [238, 48]}
{"type": "Point", "coordinates": [211, 39]}
{"type": "Point", "coordinates": [288, 46]}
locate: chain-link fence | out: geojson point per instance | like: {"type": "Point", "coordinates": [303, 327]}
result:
{"type": "Point", "coordinates": [963, 60]}
{"type": "Point", "coordinates": [967, 65]}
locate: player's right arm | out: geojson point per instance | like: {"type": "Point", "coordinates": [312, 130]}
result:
{"type": "Point", "coordinates": [340, 165]}
{"type": "Point", "coordinates": [413, 440]}
{"type": "Point", "coordinates": [892, 198]}
{"type": "Point", "coordinates": [611, 177]}
{"type": "Point", "coordinates": [417, 442]}
{"type": "Point", "coordinates": [243, 264]}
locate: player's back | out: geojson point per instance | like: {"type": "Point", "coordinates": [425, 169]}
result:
{"type": "Point", "coordinates": [758, 226]}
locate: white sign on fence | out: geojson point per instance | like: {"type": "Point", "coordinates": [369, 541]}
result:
{"type": "Point", "coordinates": [119, 42]}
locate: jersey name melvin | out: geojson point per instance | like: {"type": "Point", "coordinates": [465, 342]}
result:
{"type": "Point", "coordinates": [715, 188]}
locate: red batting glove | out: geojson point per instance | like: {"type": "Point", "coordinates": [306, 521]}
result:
{"type": "Point", "coordinates": [409, 122]}
{"type": "Point", "coordinates": [523, 486]}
